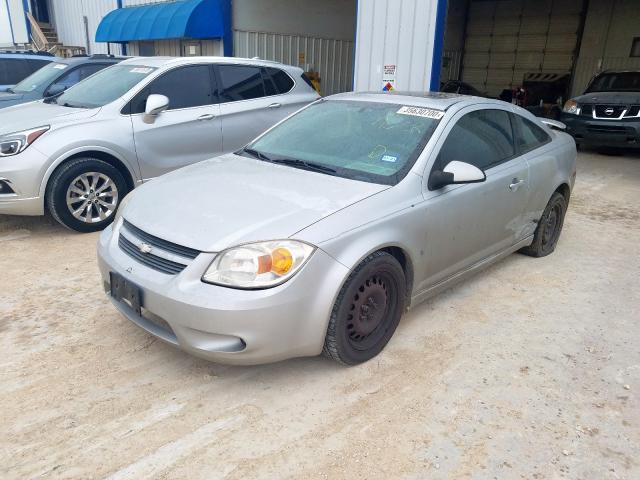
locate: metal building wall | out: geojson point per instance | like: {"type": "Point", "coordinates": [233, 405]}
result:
{"type": "Point", "coordinates": [505, 39]}
{"type": "Point", "coordinates": [400, 33]}
{"type": "Point", "coordinates": [173, 48]}
{"type": "Point", "coordinates": [610, 27]}
{"type": "Point", "coordinates": [68, 19]}
{"type": "Point", "coordinates": [13, 27]}
{"type": "Point", "coordinates": [333, 59]}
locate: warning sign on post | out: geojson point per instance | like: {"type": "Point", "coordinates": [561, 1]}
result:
{"type": "Point", "coordinates": [389, 78]}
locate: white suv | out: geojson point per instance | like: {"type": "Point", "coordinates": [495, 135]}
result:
{"type": "Point", "coordinates": [80, 153]}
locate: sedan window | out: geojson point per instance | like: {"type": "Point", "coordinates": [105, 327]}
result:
{"type": "Point", "coordinates": [373, 142]}
{"type": "Point", "coordinates": [529, 136]}
{"type": "Point", "coordinates": [483, 138]}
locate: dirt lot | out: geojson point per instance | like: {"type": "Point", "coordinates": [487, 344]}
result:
{"type": "Point", "coordinates": [529, 370]}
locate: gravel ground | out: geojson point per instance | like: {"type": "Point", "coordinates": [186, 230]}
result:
{"type": "Point", "coordinates": [529, 370]}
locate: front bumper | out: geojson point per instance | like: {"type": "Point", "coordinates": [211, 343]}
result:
{"type": "Point", "coordinates": [604, 133]}
{"type": "Point", "coordinates": [24, 174]}
{"type": "Point", "coordinates": [226, 325]}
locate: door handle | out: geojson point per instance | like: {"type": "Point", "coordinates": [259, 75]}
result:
{"type": "Point", "coordinates": [208, 116]}
{"type": "Point", "coordinates": [275, 105]}
{"type": "Point", "coordinates": [515, 184]}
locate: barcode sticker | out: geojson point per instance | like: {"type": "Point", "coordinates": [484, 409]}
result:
{"type": "Point", "coordinates": [421, 112]}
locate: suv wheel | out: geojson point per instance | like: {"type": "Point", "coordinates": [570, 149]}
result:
{"type": "Point", "coordinates": [84, 194]}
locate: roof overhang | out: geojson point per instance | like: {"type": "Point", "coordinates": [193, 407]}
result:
{"type": "Point", "coordinates": [195, 19]}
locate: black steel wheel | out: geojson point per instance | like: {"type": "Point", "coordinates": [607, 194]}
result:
{"type": "Point", "coordinates": [367, 310]}
{"type": "Point", "coordinates": [549, 228]}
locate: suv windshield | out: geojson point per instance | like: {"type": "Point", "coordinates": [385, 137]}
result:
{"type": "Point", "coordinates": [616, 82]}
{"type": "Point", "coordinates": [40, 78]}
{"type": "Point", "coordinates": [367, 141]}
{"type": "Point", "coordinates": [104, 87]}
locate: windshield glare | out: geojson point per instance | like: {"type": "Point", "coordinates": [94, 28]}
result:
{"type": "Point", "coordinates": [368, 141]}
{"type": "Point", "coordinates": [40, 78]}
{"type": "Point", "coordinates": [616, 82]}
{"type": "Point", "coordinates": [104, 87]}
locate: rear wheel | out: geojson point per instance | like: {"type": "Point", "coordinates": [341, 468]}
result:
{"type": "Point", "coordinates": [367, 310]}
{"type": "Point", "coordinates": [549, 228]}
{"type": "Point", "coordinates": [84, 194]}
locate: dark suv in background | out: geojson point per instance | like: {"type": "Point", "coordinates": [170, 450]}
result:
{"type": "Point", "coordinates": [15, 66]}
{"type": "Point", "coordinates": [608, 114]}
{"type": "Point", "coordinates": [54, 78]}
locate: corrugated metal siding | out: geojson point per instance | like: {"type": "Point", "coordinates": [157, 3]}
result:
{"type": "Point", "coordinates": [392, 32]}
{"type": "Point", "coordinates": [173, 48]}
{"type": "Point", "coordinates": [69, 24]}
{"type": "Point", "coordinates": [12, 19]}
{"type": "Point", "coordinates": [508, 38]}
{"type": "Point", "coordinates": [333, 59]}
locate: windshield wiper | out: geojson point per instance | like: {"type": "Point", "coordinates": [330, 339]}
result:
{"type": "Point", "coordinates": [10, 90]}
{"type": "Point", "coordinates": [304, 165]}
{"type": "Point", "coordinates": [256, 154]}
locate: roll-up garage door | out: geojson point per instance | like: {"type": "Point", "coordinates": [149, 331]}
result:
{"type": "Point", "coordinates": [506, 39]}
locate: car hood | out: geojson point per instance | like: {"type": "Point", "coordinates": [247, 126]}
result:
{"type": "Point", "coordinates": [610, 98]}
{"type": "Point", "coordinates": [230, 200]}
{"type": "Point", "coordinates": [9, 99]}
{"type": "Point", "coordinates": [35, 114]}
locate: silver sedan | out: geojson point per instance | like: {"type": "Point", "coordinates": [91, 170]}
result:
{"type": "Point", "coordinates": [317, 236]}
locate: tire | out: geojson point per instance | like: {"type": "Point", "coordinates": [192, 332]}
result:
{"type": "Point", "coordinates": [378, 280]}
{"type": "Point", "coordinates": [103, 185]}
{"type": "Point", "coordinates": [549, 228]}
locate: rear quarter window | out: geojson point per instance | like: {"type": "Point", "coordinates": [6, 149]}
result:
{"type": "Point", "coordinates": [529, 136]}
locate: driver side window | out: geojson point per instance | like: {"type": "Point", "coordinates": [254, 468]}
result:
{"type": "Point", "coordinates": [483, 138]}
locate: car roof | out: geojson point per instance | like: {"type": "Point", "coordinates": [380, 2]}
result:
{"type": "Point", "coordinates": [158, 62]}
{"type": "Point", "coordinates": [437, 100]}
{"type": "Point", "coordinates": [26, 55]}
{"type": "Point", "coordinates": [94, 58]}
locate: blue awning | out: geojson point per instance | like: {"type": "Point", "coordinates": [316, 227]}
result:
{"type": "Point", "coordinates": [197, 19]}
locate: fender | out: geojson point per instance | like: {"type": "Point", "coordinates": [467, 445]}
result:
{"type": "Point", "coordinates": [133, 169]}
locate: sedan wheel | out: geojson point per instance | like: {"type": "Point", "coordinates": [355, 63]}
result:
{"type": "Point", "coordinates": [549, 228]}
{"type": "Point", "coordinates": [84, 194]}
{"type": "Point", "coordinates": [367, 311]}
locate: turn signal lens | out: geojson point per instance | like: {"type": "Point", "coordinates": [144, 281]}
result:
{"type": "Point", "coordinates": [282, 261]}
{"type": "Point", "coordinates": [258, 265]}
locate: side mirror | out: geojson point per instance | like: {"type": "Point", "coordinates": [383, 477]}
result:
{"type": "Point", "coordinates": [156, 104]}
{"type": "Point", "coordinates": [55, 89]}
{"type": "Point", "coordinates": [455, 173]}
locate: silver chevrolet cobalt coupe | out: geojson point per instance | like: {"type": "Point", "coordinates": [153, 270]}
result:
{"type": "Point", "coordinates": [317, 236]}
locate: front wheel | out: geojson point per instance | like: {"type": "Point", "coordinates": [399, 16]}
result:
{"type": "Point", "coordinates": [84, 194]}
{"type": "Point", "coordinates": [367, 310]}
{"type": "Point", "coordinates": [549, 228]}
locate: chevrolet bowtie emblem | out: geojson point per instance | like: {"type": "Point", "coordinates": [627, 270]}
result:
{"type": "Point", "coordinates": [609, 111]}
{"type": "Point", "coordinates": [144, 248]}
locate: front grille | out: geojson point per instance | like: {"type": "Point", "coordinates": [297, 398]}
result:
{"type": "Point", "coordinates": [161, 244]}
{"type": "Point", "coordinates": [150, 260]}
{"type": "Point", "coordinates": [634, 111]}
{"type": "Point", "coordinates": [609, 111]}
{"type": "Point", "coordinates": [586, 110]}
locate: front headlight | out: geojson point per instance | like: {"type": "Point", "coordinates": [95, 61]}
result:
{"type": "Point", "coordinates": [258, 265]}
{"type": "Point", "coordinates": [15, 143]}
{"type": "Point", "coordinates": [571, 106]}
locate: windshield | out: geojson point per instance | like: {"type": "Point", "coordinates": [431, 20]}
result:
{"type": "Point", "coordinates": [373, 142]}
{"type": "Point", "coordinates": [616, 82]}
{"type": "Point", "coordinates": [40, 78]}
{"type": "Point", "coordinates": [104, 87]}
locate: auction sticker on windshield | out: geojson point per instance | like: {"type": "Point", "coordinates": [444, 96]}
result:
{"type": "Point", "coordinates": [421, 112]}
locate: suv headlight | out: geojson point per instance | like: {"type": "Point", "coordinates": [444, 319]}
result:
{"type": "Point", "coordinates": [571, 106]}
{"type": "Point", "coordinates": [15, 143]}
{"type": "Point", "coordinates": [258, 265]}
